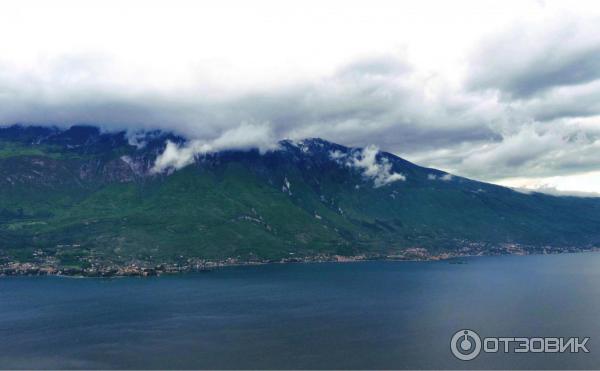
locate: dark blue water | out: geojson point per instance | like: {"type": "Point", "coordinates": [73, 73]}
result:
{"type": "Point", "coordinates": [357, 315]}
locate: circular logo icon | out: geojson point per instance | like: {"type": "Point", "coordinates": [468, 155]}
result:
{"type": "Point", "coordinates": [465, 345]}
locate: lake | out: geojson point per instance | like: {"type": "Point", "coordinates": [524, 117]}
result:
{"type": "Point", "coordinates": [347, 315]}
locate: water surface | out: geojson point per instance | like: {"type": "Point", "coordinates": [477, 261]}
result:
{"type": "Point", "coordinates": [358, 315]}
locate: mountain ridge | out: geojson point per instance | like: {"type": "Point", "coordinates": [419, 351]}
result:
{"type": "Point", "coordinates": [83, 198]}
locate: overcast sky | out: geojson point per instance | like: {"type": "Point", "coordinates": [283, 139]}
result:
{"type": "Point", "coordinates": [505, 92]}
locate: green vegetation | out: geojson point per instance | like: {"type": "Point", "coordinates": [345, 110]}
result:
{"type": "Point", "coordinates": [15, 149]}
{"type": "Point", "coordinates": [73, 204]}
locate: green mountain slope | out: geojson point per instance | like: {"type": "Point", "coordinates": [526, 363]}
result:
{"type": "Point", "coordinates": [78, 193]}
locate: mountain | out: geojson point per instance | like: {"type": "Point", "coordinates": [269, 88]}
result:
{"type": "Point", "coordinates": [80, 196]}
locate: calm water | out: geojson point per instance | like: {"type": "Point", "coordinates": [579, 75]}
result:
{"type": "Point", "coordinates": [357, 315]}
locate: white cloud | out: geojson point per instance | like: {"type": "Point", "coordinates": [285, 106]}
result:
{"type": "Point", "coordinates": [176, 157]}
{"type": "Point", "coordinates": [379, 170]}
{"type": "Point", "coordinates": [245, 136]}
{"type": "Point", "coordinates": [445, 178]}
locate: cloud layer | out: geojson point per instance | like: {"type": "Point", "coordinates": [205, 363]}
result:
{"type": "Point", "coordinates": [246, 136]}
{"type": "Point", "coordinates": [521, 102]}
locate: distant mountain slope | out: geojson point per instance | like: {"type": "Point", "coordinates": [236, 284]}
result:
{"type": "Point", "coordinates": [72, 194]}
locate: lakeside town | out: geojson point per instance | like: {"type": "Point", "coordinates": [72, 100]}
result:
{"type": "Point", "coordinates": [43, 264]}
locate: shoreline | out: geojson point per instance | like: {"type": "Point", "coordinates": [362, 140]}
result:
{"type": "Point", "coordinates": [147, 269]}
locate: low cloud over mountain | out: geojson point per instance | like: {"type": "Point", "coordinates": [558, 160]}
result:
{"type": "Point", "coordinates": [522, 101]}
